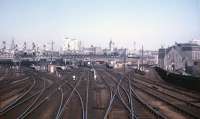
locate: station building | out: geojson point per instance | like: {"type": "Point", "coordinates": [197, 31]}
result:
{"type": "Point", "coordinates": [181, 57]}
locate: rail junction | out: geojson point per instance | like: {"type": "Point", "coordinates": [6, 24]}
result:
{"type": "Point", "coordinates": [93, 93]}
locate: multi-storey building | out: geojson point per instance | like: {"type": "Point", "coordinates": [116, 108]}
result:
{"type": "Point", "coordinates": [161, 56]}
{"type": "Point", "coordinates": [72, 45]}
{"type": "Point", "coordinates": [179, 57]}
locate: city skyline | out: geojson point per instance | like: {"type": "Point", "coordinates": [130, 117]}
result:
{"type": "Point", "coordinates": [155, 23]}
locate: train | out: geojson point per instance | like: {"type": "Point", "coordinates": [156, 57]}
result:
{"type": "Point", "coordinates": [111, 64]}
{"type": "Point", "coordinates": [86, 63]}
{"type": "Point", "coordinates": [189, 82]}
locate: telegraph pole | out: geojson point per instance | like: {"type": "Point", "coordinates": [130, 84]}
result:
{"type": "Point", "coordinates": [52, 43]}
{"type": "Point", "coordinates": [134, 48]}
{"type": "Point", "coordinates": [12, 47]}
{"type": "Point", "coordinates": [4, 46]}
{"type": "Point", "coordinates": [142, 68]}
{"type": "Point", "coordinates": [124, 60]}
{"type": "Point", "coordinates": [24, 46]}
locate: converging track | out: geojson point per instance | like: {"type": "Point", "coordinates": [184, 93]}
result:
{"type": "Point", "coordinates": [92, 93]}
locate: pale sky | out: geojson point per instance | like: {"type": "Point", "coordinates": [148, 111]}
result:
{"type": "Point", "coordinates": [149, 22]}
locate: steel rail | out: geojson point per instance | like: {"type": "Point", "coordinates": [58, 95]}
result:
{"type": "Point", "coordinates": [111, 101]}
{"type": "Point", "coordinates": [194, 115]}
{"type": "Point", "coordinates": [154, 111]}
{"type": "Point", "coordinates": [87, 94]}
{"type": "Point", "coordinates": [24, 114]}
{"type": "Point", "coordinates": [14, 102]}
{"type": "Point", "coordinates": [60, 112]}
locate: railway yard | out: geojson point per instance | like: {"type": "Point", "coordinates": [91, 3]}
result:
{"type": "Point", "coordinates": [93, 93]}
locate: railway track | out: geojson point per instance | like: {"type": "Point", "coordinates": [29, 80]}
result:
{"type": "Point", "coordinates": [26, 101]}
{"type": "Point", "coordinates": [33, 100]}
{"type": "Point", "coordinates": [78, 94]}
{"type": "Point", "coordinates": [190, 101]}
{"type": "Point", "coordinates": [53, 99]}
{"type": "Point", "coordinates": [143, 110]}
{"type": "Point", "coordinates": [26, 91]}
{"type": "Point", "coordinates": [138, 107]}
{"type": "Point", "coordinates": [179, 105]}
{"type": "Point", "coordinates": [111, 95]}
{"type": "Point", "coordinates": [15, 86]}
{"type": "Point", "coordinates": [166, 86]}
{"type": "Point", "coordinates": [183, 103]}
{"type": "Point", "coordinates": [167, 97]}
{"type": "Point", "coordinates": [122, 87]}
{"type": "Point", "coordinates": [119, 98]}
{"type": "Point", "coordinates": [10, 79]}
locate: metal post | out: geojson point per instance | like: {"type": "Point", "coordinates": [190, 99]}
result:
{"type": "Point", "coordinates": [52, 43]}
{"type": "Point", "coordinates": [125, 60]}
{"type": "Point", "coordinates": [142, 68]}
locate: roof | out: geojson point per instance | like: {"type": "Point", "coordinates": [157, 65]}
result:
{"type": "Point", "coordinates": [189, 46]}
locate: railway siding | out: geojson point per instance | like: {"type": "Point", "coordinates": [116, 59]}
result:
{"type": "Point", "coordinates": [93, 93]}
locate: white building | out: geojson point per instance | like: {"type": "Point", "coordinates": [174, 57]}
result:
{"type": "Point", "coordinates": [93, 50]}
{"type": "Point", "coordinates": [72, 45]}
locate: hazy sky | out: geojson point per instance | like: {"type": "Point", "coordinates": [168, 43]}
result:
{"type": "Point", "coordinates": [149, 22]}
